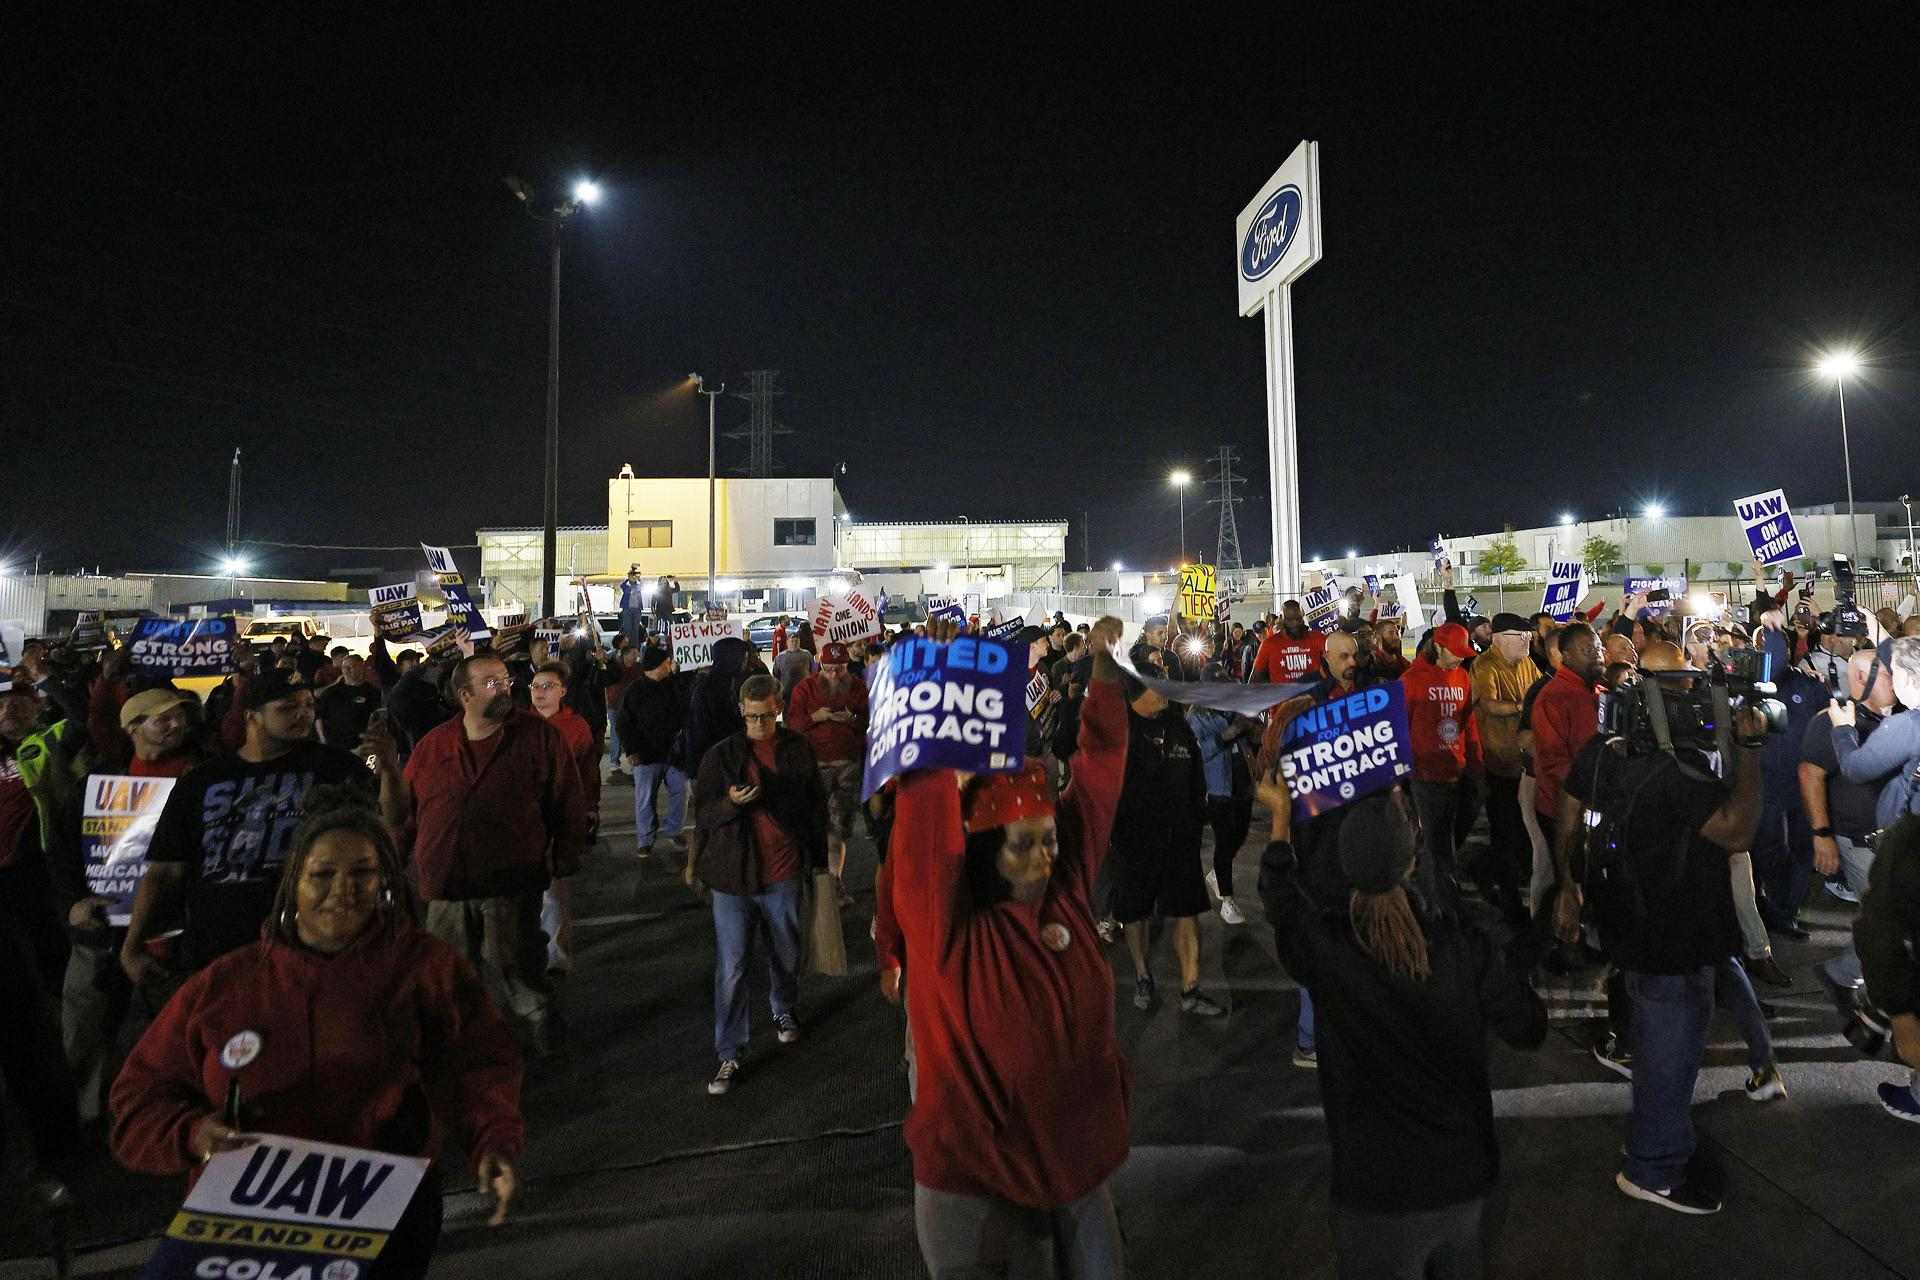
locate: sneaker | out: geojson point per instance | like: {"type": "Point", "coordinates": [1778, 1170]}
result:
{"type": "Point", "coordinates": [1230, 912]}
{"type": "Point", "coordinates": [1613, 1055]}
{"type": "Point", "coordinates": [1900, 1103]}
{"type": "Point", "coordinates": [1681, 1199]}
{"type": "Point", "coordinates": [1765, 1084]}
{"type": "Point", "coordinates": [1198, 1005]}
{"type": "Point", "coordinates": [1839, 890]}
{"type": "Point", "coordinates": [1108, 930]}
{"type": "Point", "coordinates": [1143, 993]}
{"type": "Point", "coordinates": [1765, 970]}
{"type": "Point", "coordinates": [787, 1027]}
{"type": "Point", "coordinates": [1306, 1059]}
{"type": "Point", "coordinates": [723, 1078]}
{"type": "Point", "coordinates": [1213, 886]}
{"type": "Point", "coordinates": [644, 852]}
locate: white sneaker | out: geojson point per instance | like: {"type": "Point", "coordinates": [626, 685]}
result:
{"type": "Point", "coordinates": [1230, 912]}
{"type": "Point", "coordinates": [1213, 886]}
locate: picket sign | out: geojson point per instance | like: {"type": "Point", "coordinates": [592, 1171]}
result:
{"type": "Point", "coordinates": [194, 647]}
{"type": "Point", "coordinates": [1565, 586]}
{"type": "Point", "coordinates": [693, 641]}
{"type": "Point", "coordinates": [842, 619]}
{"type": "Point", "coordinates": [460, 605]}
{"type": "Point", "coordinates": [954, 706]}
{"type": "Point", "coordinates": [118, 813]}
{"type": "Point", "coordinates": [1346, 748]}
{"type": "Point", "coordinates": [1769, 527]}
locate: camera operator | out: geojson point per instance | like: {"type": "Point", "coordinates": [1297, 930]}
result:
{"type": "Point", "coordinates": [1658, 871]}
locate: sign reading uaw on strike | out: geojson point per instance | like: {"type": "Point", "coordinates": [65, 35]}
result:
{"type": "Point", "coordinates": [287, 1209]}
{"type": "Point", "coordinates": [951, 706]}
{"type": "Point", "coordinates": [1769, 526]}
{"type": "Point", "coordinates": [1346, 748]}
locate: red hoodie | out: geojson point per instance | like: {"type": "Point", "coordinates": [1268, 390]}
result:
{"type": "Point", "coordinates": [1023, 1091]}
{"type": "Point", "coordinates": [1445, 739]}
{"type": "Point", "coordinates": [1566, 712]}
{"type": "Point", "coordinates": [354, 1048]}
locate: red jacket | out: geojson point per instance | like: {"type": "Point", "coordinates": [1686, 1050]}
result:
{"type": "Point", "coordinates": [1287, 660]}
{"type": "Point", "coordinates": [1445, 739]}
{"type": "Point", "coordinates": [1023, 1091]}
{"type": "Point", "coordinates": [503, 829]}
{"type": "Point", "coordinates": [586, 757]}
{"type": "Point", "coordinates": [384, 1046]}
{"type": "Point", "coordinates": [1566, 712]}
{"type": "Point", "coordinates": [831, 739]}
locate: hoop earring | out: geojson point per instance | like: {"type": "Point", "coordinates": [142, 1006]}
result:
{"type": "Point", "coordinates": [289, 919]}
{"type": "Point", "coordinates": [386, 899]}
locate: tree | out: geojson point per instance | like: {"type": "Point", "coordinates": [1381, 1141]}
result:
{"type": "Point", "coordinates": [1502, 555]}
{"type": "Point", "coordinates": [1601, 556]}
{"type": "Point", "coordinates": [1655, 570]}
{"type": "Point", "coordinates": [1736, 569]}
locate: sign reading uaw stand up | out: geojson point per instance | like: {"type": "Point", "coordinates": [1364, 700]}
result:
{"type": "Point", "coordinates": [1277, 237]}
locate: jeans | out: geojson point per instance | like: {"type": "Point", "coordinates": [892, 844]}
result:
{"type": "Point", "coordinates": [503, 940]}
{"type": "Point", "coordinates": [734, 919]}
{"type": "Point", "coordinates": [1783, 860]}
{"type": "Point", "coordinates": [1856, 862]}
{"type": "Point", "coordinates": [95, 1000]}
{"type": "Point", "coordinates": [1439, 805]}
{"type": "Point", "coordinates": [963, 1237]}
{"type": "Point", "coordinates": [1733, 991]}
{"type": "Point", "coordinates": [647, 778]}
{"type": "Point", "coordinates": [633, 625]}
{"type": "Point", "coordinates": [1509, 872]}
{"type": "Point", "coordinates": [1746, 907]}
{"type": "Point", "coordinates": [1230, 817]}
{"type": "Point", "coordinates": [1670, 1016]}
{"type": "Point", "coordinates": [1540, 834]}
{"type": "Point", "coordinates": [1424, 1244]}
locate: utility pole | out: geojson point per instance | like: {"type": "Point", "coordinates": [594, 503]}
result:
{"type": "Point", "coordinates": [713, 397]}
{"type": "Point", "coordinates": [761, 427]}
{"type": "Point", "coordinates": [233, 524]}
{"type": "Point", "coordinates": [1227, 553]}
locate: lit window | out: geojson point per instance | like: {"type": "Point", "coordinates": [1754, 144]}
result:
{"type": "Point", "coordinates": [644, 535]}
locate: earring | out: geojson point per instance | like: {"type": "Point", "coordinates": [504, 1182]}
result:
{"type": "Point", "coordinates": [386, 899]}
{"type": "Point", "coordinates": [288, 917]}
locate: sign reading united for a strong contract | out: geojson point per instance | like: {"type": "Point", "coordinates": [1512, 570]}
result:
{"type": "Point", "coordinates": [1346, 748]}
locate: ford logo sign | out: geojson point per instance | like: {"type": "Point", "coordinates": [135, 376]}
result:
{"type": "Point", "coordinates": [1272, 231]}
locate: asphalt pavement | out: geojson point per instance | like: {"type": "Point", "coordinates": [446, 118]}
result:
{"type": "Point", "coordinates": [633, 1170]}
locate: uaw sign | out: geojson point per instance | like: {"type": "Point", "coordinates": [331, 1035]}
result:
{"type": "Point", "coordinates": [395, 611]}
{"type": "Point", "coordinates": [117, 815]}
{"type": "Point", "coordinates": [947, 607]}
{"type": "Point", "coordinates": [845, 618]}
{"type": "Point", "coordinates": [195, 647]}
{"type": "Point", "coordinates": [288, 1209]}
{"type": "Point", "coordinates": [1322, 607]}
{"type": "Point", "coordinates": [1769, 526]}
{"type": "Point", "coordinates": [950, 706]}
{"type": "Point", "coordinates": [1564, 588]}
{"type": "Point", "coordinates": [693, 641]}
{"type": "Point", "coordinates": [460, 606]}
{"type": "Point", "coordinates": [1345, 748]}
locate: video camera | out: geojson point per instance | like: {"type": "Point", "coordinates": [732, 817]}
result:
{"type": "Point", "coordinates": [1662, 710]}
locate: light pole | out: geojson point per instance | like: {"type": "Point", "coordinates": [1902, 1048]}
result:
{"type": "Point", "coordinates": [1840, 366]}
{"type": "Point", "coordinates": [966, 546]}
{"type": "Point", "coordinates": [584, 194]}
{"type": "Point", "coordinates": [1180, 480]}
{"type": "Point", "coordinates": [1913, 566]}
{"type": "Point", "coordinates": [700, 384]}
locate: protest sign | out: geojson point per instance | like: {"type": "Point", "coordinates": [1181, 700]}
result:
{"type": "Point", "coordinates": [1007, 630]}
{"type": "Point", "coordinates": [460, 606]}
{"type": "Point", "coordinates": [194, 647]}
{"type": "Point", "coordinates": [1036, 688]}
{"type": "Point", "coordinates": [117, 816]}
{"type": "Point", "coordinates": [947, 607]}
{"type": "Point", "coordinates": [693, 641]}
{"type": "Point", "coordinates": [511, 619]}
{"type": "Point", "coordinates": [511, 640]}
{"type": "Point", "coordinates": [952, 706]}
{"type": "Point", "coordinates": [1400, 602]}
{"type": "Point", "coordinates": [89, 630]}
{"type": "Point", "coordinates": [1372, 581]}
{"type": "Point", "coordinates": [549, 636]}
{"type": "Point", "coordinates": [396, 611]}
{"type": "Point", "coordinates": [1565, 586]}
{"type": "Point", "coordinates": [1198, 585]}
{"type": "Point", "coordinates": [1440, 561]}
{"type": "Point", "coordinates": [842, 619]}
{"type": "Point", "coordinates": [287, 1208]}
{"type": "Point", "coordinates": [1769, 526]}
{"type": "Point", "coordinates": [1323, 608]}
{"type": "Point", "coordinates": [1346, 748]}
{"type": "Point", "coordinates": [1674, 584]}
{"type": "Point", "coordinates": [1472, 606]}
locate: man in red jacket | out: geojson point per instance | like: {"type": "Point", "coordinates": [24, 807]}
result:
{"type": "Point", "coordinates": [494, 809]}
{"type": "Point", "coordinates": [829, 708]}
{"type": "Point", "coordinates": [1291, 652]}
{"type": "Point", "coordinates": [1566, 713]}
{"type": "Point", "coordinates": [1445, 749]}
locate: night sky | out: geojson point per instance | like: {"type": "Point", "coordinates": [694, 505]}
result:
{"type": "Point", "coordinates": [1579, 266]}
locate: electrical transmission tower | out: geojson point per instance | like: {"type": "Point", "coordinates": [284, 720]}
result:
{"type": "Point", "coordinates": [1227, 554]}
{"type": "Point", "coordinates": [761, 427]}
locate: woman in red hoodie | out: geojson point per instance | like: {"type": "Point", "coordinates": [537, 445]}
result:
{"type": "Point", "coordinates": [1021, 1114]}
{"type": "Point", "coordinates": [345, 1023]}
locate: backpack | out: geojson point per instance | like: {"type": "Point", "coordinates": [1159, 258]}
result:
{"type": "Point", "coordinates": [1616, 885]}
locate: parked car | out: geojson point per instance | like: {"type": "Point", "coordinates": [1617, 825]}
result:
{"type": "Point", "coordinates": [760, 628]}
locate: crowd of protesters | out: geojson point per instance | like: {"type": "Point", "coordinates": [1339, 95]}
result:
{"type": "Point", "coordinates": [346, 837]}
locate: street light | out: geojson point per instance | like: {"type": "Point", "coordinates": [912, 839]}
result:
{"type": "Point", "coordinates": [1118, 567]}
{"type": "Point", "coordinates": [1906, 500]}
{"type": "Point", "coordinates": [1654, 511]}
{"type": "Point", "coordinates": [235, 567]}
{"type": "Point", "coordinates": [1180, 479]}
{"type": "Point", "coordinates": [1841, 365]}
{"type": "Point", "coordinates": [700, 385]}
{"type": "Point", "coordinates": [585, 193]}
{"type": "Point", "coordinates": [1566, 519]}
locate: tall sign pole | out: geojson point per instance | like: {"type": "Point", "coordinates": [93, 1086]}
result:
{"type": "Point", "coordinates": [1278, 238]}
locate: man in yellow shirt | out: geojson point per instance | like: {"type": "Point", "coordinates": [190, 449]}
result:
{"type": "Point", "coordinates": [1501, 677]}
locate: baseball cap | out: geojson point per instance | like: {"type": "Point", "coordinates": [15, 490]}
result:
{"type": "Point", "coordinates": [652, 656]}
{"type": "Point", "coordinates": [1376, 844]}
{"type": "Point", "coordinates": [834, 655]}
{"type": "Point", "coordinates": [1452, 637]}
{"type": "Point", "coordinates": [150, 702]}
{"type": "Point", "coordinates": [1506, 623]}
{"type": "Point", "coordinates": [272, 687]}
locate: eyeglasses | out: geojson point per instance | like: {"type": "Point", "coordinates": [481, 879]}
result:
{"type": "Point", "coordinates": [548, 686]}
{"type": "Point", "coordinates": [495, 684]}
{"type": "Point", "coordinates": [759, 717]}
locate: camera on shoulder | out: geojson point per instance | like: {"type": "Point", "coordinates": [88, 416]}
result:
{"type": "Point", "coordinates": [1662, 710]}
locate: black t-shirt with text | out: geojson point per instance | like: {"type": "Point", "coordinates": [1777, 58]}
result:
{"type": "Point", "coordinates": [231, 823]}
{"type": "Point", "coordinates": [1683, 915]}
{"type": "Point", "coordinates": [343, 711]}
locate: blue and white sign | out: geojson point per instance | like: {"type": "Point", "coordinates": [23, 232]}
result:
{"type": "Point", "coordinates": [460, 606]}
{"type": "Point", "coordinates": [1373, 583]}
{"type": "Point", "coordinates": [945, 706]}
{"type": "Point", "coordinates": [1472, 606]}
{"type": "Point", "coordinates": [194, 647]}
{"type": "Point", "coordinates": [947, 607]}
{"type": "Point", "coordinates": [1674, 584]}
{"type": "Point", "coordinates": [1769, 526]}
{"type": "Point", "coordinates": [118, 813]}
{"type": "Point", "coordinates": [1271, 233]}
{"type": "Point", "coordinates": [1565, 586]}
{"type": "Point", "coordinates": [1439, 552]}
{"type": "Point", "coordinates": [1007, 630]}
{"type": "Point", "coordinates": [1322, 607]}
{"type": "Point", "coordinates": [1277, 235]}
{"type": "Point", "coordinates": [1340, 750]}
